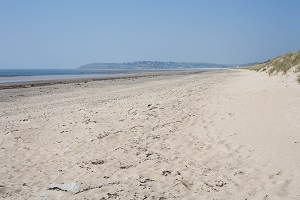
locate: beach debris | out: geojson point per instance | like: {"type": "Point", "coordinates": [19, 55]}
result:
{"type": "Point", "coordinates": [87, 121]}
{"type": "Point", "coordinates": [143, 179]}
{"type": "Point", "coordinates": [89, 164]}
{"type": "Point", "coordinates": [69, 187]}
{"type": "Point", "coordinates": [187, 184]}
{"type": "Point", "coordinates": [72, 187]}
{"type": "Point", "coordinates": [106, 133]}
{"type": "Point", "coordinates": [112, 195]}
{"type": "Point", "coordinates": [162, 198]}
{"type": "Point", "coordinates": [98, 162]}
{"type": "Point", "coordinates": [239, 173]}
{"type": "Point", "coordinates": [166, 173]}
{"type": "Point", "coordinates": [124, 166]}
{"type": "Point", "coordinates": [220, 183]}
{"type": "Point", "coordinates": [231, 114]}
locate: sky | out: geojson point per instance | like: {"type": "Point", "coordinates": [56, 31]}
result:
{"type": "Point", "coordinates": [70, 33]}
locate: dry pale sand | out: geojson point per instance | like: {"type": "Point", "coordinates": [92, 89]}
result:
{"type": "Point", "coordinates": [225, 135]}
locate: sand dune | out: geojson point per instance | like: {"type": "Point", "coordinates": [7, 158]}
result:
{"type": "Point", "coordinates": [218, 135]}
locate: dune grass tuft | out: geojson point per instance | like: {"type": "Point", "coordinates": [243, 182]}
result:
{"type": "Point", "coordinates": [281, 63]}
{"type": "Point", "coordinates": [257, 67]}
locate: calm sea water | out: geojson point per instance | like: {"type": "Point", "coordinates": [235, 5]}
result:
{"type": "Point", "coordinates": [47, 72]}
{"type": "Point", "coordinates": [22, 75]}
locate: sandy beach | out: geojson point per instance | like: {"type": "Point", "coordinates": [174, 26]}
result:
{"type": "Point", "coordinates": [231, 134]}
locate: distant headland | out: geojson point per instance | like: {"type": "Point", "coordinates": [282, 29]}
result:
{"type": "Point", "coordinates": [153, 65]}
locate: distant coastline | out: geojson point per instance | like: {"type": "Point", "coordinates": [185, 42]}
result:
{"type": "Point", "coordinates": [152, 65]}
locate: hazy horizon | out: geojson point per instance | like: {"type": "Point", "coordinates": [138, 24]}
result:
{"type": "Point", "coordinates": [68, 34]}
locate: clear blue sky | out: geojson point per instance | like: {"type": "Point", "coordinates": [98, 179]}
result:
{"type": "Point", "coordinates": [69, 33]}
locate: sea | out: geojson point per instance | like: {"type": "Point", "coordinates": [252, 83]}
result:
{"type": "Point", "coordinates": [27, 75]}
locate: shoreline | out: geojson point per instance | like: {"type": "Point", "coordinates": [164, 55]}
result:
{"type": "Point", "coordinates": [28, 84]}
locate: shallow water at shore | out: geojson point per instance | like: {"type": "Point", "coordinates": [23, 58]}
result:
{"type": "Point", "coordinates": [28, 75]}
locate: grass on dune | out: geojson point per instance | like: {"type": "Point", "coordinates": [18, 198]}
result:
{"type": "Point", "coordinates": [280, 64]}
{"type": "Point", "coordinates": [257, 67]}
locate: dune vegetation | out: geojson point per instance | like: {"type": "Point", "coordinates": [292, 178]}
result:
{"type": "Point", "coordinates": [280, 64]}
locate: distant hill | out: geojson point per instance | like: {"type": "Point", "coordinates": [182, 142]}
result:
{"type": "Point", "coordinates": [247, 64]}
{"type": "Point", "coordinates": [151, 65]}
{"type": "Point", "coordinates": [283, 64]}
